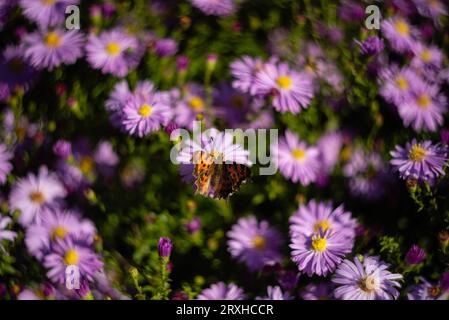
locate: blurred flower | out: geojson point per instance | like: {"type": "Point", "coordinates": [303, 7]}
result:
{"type": "Point", "coordinates": [5, 9]}
{"type": "Point", "coordinates": [54, 225]}
{"type": "Point", "coordinates": [70, 251]}
{"type": "Point", "coordinates": [15, 71]}
{"type": "Point", "coordinates": [351, 11]}
{"type": "Point", "coordinates": [372, 46]}
{"type": "Point", "coordinates": [32, 194]}
{"type": "Point", "coordinates": [190, 105]}
{"type": "Point", "coordinates": [318, 291]}
{"type": "Point", "coordinates": [166, 47]}
{"type": "Point", "coordinates": [415, 255]}
{"type": "Point", "coordinates": [164, 247]}
{"type": "Point", "coordinates": [215, 8]}
{"type": "Point", "coordinates": [244, 71]}
{"type": "Point", "coordinates": [330, 145]}
{"type": "Point", "coordinates": [433, 9]}
{"type": "Point", "coordinates": [288, 279]}
{"type": "Point", "coordinates": [419, 160]}
{"type": "Point", "coordinates": [46, 12]}
{"type": "Point", "coordinates": [366, 280]}
{"type": "Point", "coordinates": [367, 174]}
{"type": "Point", "coordinates": [313, 216]}
{"type": "Point", "coordinates": [49, 49]}
{"type": "Point", "coordinates": [113, 52]}
{"type": "Point", "coordinates": [427, 291]}
{"type": "Point", "coordinates": [254, 243]}
{"type": "Point", "coordinates": [290, 90]}
{"type": "Point", "coordinates": [222, 291]}
{"type": "Point", "coordinates": [427, 58]}
{"type": "Point", "coordinates": [105, 158]}
{"type": "Point", "coordinates": [193, 225]}
{"type": "Point", "coordinates": [5, 165]}
{"type": "Point", "coordinates": [398, 84]}
{"type": "Point", "coordinates": [321, 252]}
{"type": "Point", "coordinates": [6, 234]}
{"type": "Point", "coordinates": [62, 148]}
{"type": "Point", "coordinates": [182, 63]}
{"type": "Point", "coordinates": [108, 9]}
{"type": "Point", "coordinates": [295, 159]}
{"type": "Point", "coordinates": [4, 92]}
{"type": "Point", "coordinates": [399, 33]}
{"type": "Point", "coordinates": [142, 116]}
{"type": "Point", "coordinates": [275, 293]}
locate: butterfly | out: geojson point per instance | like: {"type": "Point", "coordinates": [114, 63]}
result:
{"type": "Point", "coordinates": [215, 178]}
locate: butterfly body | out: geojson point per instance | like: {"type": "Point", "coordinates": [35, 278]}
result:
{"type": "Point", "coordinates": [215, 178]}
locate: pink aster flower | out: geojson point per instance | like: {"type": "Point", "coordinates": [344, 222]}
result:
{"type": "Point", "coordinates": [399, 33]}
{"type": "Point", "coordinates": [222, 291]}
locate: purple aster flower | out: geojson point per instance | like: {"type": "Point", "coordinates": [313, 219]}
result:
{"type": "Point", "coordinates": [164, 247]}
{"type": "Point", "coordinates": [254, 243]}
{"type": "Point", "coordinates": [71, 252]}
{"type": "Point", "coordinates": [428, 291]}
{"type": "Point", "coordinates": [15, 71]}
{"type": "Point", "coordinates": [398, 84]}
{"type": "Point", "coordinates": [371, 46]}
{"type": "Point", "coordinates": [296, 160]}
{"type": "Point", "coordinates": [114, 52]}
{"type": "Point", "coordinates": [215, 7]}
{"type": "Point", "coordinates": [165, 47]}
{"type": "Point", "coordinates": [367, 175]}
{"type": "Point", "coordinates": [275, 293]}
{"type": "Point", "coordinates": [51, 48]}
{"type": "Point", "coordinates": [432, 9]}
{"type": "Point", "coordinates": [313, 216]}
{"type": "Point", "coordinates": [319, 291]}
{"type": "Point", "coordinates": [118, 96]}
{"type": "Point", "coordinates": [6, 234]}
{"type": "Point", "coordinates": [105, 157]}
{"type": "Point", "coordinates": [288, 279]}
{"type": "Point", "coordinates": [236, 107]}
{"type": "Point", "coordinates": [427, 58]}
{"type": "Point", "coordinates": [142, 116]}
{"type": "Point", "coordinates": [321, 252]}
{"type": "Point", "coordinates": [32, 194]}
{"type": "Point", "coordinates": [330, 145]}
{"type": "Point", "coordinates": [46, 12]}
{"type": "Point", "coordinates": [415, 255]}
{"type": "Point", "coordinates": [190, 105]}
{"type": "Point", "coordinates": [419, 160]}
{"type": "Point", "coordinates": [222, 291]}
{"type": "Point", "coordinates": [54, 225]}
{"type": "Point", "coordinates": [5, 165]}
{"type": "Point", "coordinates": [367, 279]}
{"type": "Point", "coordinates": [62, 148]}
{"type": "Point", "coordinates": [399, 33]}
{"type": "Point", "coordinates": [244, 71]}
{"type": "Point", "coordinates": [424, 109]}
{"type": "Point", "coordinates": [291, 90]}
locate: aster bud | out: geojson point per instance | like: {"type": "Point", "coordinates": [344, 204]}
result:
{"type": "Point", "coordinates": [165, 246]}
{"type": "Point", "coordinates": [415, 255]}
{"type": "Point", "coordinates": [411, 184]}
{"type": "Point", "coordinates": [193, 225]}
{"type": "Point", "coordinates": [443, 236]}
{"type": "Point", "coordinates": [62, 148]}
{"type": "Point", "coordinates": [211, 62]}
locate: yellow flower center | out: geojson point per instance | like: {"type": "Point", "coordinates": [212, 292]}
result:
{"type": "Point", "coordinates": [37, 197]}
{"type": "Point", "coordinates": [323, 225]}
{"type": "Point", "coordinates": [402, 27]}
{"type": "Point", "coordinates": [423, 101]}
{"type": "Point", "coordinates": [417, 153]}
{"type": "Point", "coordinates": [48, 2]}
{"type": "Point", "coordinates": [319, 244]}
{"type": "Point", "coordinates": [402, 83]}
{"type": "Point", "coordinates": [59, 232]}
{"type": "Point", "coordinates": [52, 39]}
{"type": "Point", "coordinates": [86, 165]}
{"type": "Point", "coordinates": [284, 82]}
{"type": "Point", "coordinates": [145, 110]}
{"type": "Point", "coordinates": [259, 242]}
{"type": "Point", "coordinates": [298, 154]}
{"type": "Point", "coordinates": [434, 291]}
{"type": "Point", "coordinates": [71, 257]}
{"type": "Point", "coordinates": [113, 48]}
{"type": "Point", "coordinates": [196, 104]}
{"type": "Point", "coordinates": [369, 284]}
{"type": "Point", "coordinates": [426, 55]}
